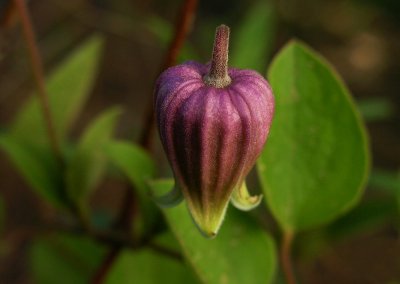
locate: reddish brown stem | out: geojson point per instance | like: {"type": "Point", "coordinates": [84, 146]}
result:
{"type": "Point", "coordinates": [286, 259]}
{"type": "Point", "coordinates": [181, 30]}
{"type": "Point", "coordinates": [106, 265]}
{"type": "Point", "coordinates": [8, 16]}
{"type": "Point", "coordinates": [37, 70]}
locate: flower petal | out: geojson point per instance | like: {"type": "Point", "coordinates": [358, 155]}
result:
{"type": "Point", "coordinates": [170, 199]}
{"type": "Point", "coordinates": [242, 199]}
{"type": "Point", "coordinates": [208, 222]}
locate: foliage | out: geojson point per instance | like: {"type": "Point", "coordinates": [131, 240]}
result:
{"type": "Point", "coordinates": [64, 259]}
{"type": "Point", "coordinates": [87, 164]}
{"type": "Point", "coordinates": [316, 162]}
{"type": "Point", "coordinates": [69, 87]}
{"type": "Point", "coordinates": [240, 238]}
{"type": "Point", "coordinates": [147, 267]}
{"type": "Point", "coordinates": [257, 31]}
{"type": "Point", "coordinates": [139, 168]}
{"type": "Point", "coordinates": [313, 172]}
{"type": "Point", "coordinates": [36, 165]}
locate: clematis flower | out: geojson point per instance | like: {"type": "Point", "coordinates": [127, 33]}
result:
{"type": "Point", "coordinates": [213, 123]}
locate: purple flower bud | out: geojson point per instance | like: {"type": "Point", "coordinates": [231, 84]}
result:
{"type": "Point", "coordinates": [213, 123]}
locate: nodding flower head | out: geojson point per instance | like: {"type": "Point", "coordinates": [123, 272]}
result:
{"type": "Point", "coordinates": [213, 122]}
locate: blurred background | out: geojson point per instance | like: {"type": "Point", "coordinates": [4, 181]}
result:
{"type": "Point", "coordinates": [360, 38]}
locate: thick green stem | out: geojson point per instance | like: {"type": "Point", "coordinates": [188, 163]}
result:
{"type": "Point", "coordinates": [218, 76]}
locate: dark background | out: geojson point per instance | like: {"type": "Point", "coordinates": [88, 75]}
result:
{"type": "Point", "coordinates": [360, 38]}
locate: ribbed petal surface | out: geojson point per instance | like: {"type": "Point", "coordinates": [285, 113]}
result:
{"type": "Point", "coordinates": [212, 136]}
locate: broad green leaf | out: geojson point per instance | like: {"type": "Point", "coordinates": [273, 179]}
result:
{"type": "Point", "coordinates": [147, 267]}
{"type": "Point", "coordinates": [136, 164]}
{"type": "Point", "coordinates": [241, 253]}
{"type": "Point", "coordinates": [37, 165]}
{"type": "Point", "coordinates": [133, 161]}
{"type": "Point", "coordinates": [316, 161]}
{"type": "Point", "coordinates": [88, 162]}
{"type": "Point", "coordinates": [64, 259]}
{"type": "Point", "coordinates": [68, 88]}
{"type": "Point", "coordinates": [252, 42]}
{"type": "Point", "coordinates": [168, 240]}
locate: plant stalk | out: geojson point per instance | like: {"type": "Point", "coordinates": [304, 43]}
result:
{"type": "Point", "coordinates": [37, 70]}
{"type": "Point", "coordinates": [181, 30]}
{"type": "Point", "coordinates": [218, 76]}
{"type": "Point", "coordinates": [286, 259]}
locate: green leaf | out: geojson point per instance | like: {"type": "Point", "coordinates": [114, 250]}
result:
{"type": "Point", "coordinates": [252, 42]}
{"type": "Point", "coordinates": [68, 88]}
{"type": "Point", "coordinates": [88, 163]}
{"type": "Point", "coordinates": [65, 259]}
{"type": "Point", "coordinates": [136, 164]}
{"type": "Point", "coordinates": [241, 253]}
{"type": "Point", "coordinates": [316, 161]}
{"type": "Point", "coordinates": [146, 267]}
{"type": "Point", "coordinates": [37, 165]}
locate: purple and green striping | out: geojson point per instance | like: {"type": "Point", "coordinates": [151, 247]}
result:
{"type": "Point", "coordinates": [213, 123]}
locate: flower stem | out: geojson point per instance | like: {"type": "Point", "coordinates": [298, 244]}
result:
{"type": "Point", "coordinates": [286, 259]}
{"type": "Point", "coordinates": [182, 28]}
{"type": "Point", "coordinates": [218, 76]}
{"type": "Point", "coordinates": [37, 70]}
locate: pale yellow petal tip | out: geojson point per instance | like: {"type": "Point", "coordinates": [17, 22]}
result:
{"type": "Point", "coordinates": [208, 227]}
{"type": "Point", "coordinates": [208, 234]}
{"type": "Point", "coordinates": [208, 224]}
{"type": "Point", "coordinates": [242, 199]}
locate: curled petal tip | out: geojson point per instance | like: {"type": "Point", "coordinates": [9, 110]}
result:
{"type": "Point", "coordinates": [213, 123]}
{"type": "Point", "coordinates": [170, 199]}
{"type": "Point", "coordinates": [242, 199]}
